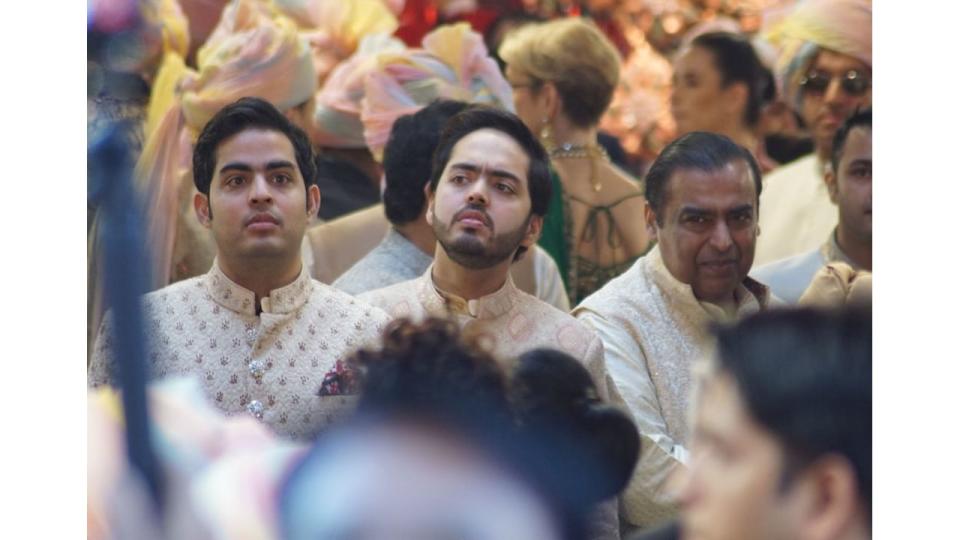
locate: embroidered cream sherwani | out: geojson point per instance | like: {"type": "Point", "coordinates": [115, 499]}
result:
{"type": "Point", "coordinates": [796, 213]}
{"type": "Point", "coordinates": [271, 365]}
{"type": "Point", "coordinates": [513, 321]}
{"type": "Point", "coordinates": [653, 329]}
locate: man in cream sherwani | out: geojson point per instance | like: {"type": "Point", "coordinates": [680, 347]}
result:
{"type": "Point", "coordinates": [654, 320]}
{"type": "Point", "coordinates": [258, 333]}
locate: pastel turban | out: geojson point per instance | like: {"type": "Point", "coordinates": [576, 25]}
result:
{"type": "Point", "coordinates": [334, 28]}
{"type": "Point", "coordinates": [844, 26]}
{"type": "Point", "coordinates": [452, 64]}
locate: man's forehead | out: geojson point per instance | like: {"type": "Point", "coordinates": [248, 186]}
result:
{"type": "Point", "coordinates": [730, 184]}
{"type": "Point", "coordinates": [858, 145]}
{"type": "Point", "coordinates": [255, 146]}
{"type": "Point", "coordinates": [490, 148]}
{"type": "Point", "coordinates": [833, 61]}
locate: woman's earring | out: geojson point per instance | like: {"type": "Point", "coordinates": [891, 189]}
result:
{"type": "Point", "coordinates": [546, 135]}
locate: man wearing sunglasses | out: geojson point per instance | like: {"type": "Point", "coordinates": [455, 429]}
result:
{"type": "Point", "coordinates": [827, 54]}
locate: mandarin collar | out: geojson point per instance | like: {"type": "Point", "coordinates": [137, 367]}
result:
{"type": "Point", "coordinates": [491, 306]}
{"type": "Point", "coordinates": [237, 298]}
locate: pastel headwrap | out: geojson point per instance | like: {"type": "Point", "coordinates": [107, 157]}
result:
{"type": "Point", "coordinates": [251, 52]}
{"type": "Point", "coordinates": [334, 28]}
{"type": "Point", "coordinates": [843, 26]}
{"type": "Point", "coordinates": [452, 64]}
{"type": "Point", "coordinates": [337, 115]}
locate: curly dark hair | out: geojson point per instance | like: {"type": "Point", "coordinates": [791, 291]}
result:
{"type": "Point", "coordinates": [429, 370]}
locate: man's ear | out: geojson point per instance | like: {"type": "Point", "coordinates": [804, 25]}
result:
{"type": "Point", "coordinates": [830, 178]}
{"type": "Point", "coordinates": [829, 500]}
{"type": "Point", "coordinates": [313, 201]}
{"type": "Point", "coordinates": [429, 210]}
{"type": "Point", "coordinates": [534, 228]}
{"type": "Point", "coordinates": [650, 218]}
{"type": "Point", "coordinates": [201, 205]}
{"type": "Point", "coordinates": [736, 96]}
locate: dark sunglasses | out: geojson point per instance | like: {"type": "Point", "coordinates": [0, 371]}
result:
{"type": "Point", "coordinates": [853, 82]}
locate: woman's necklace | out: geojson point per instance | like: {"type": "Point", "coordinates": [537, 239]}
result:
{"type": "Point", "coordinates": [579, 151]}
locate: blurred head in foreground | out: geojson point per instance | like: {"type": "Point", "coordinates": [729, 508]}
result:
{"type": "Point", "coordinates": [434, 451]}
{"type": "Point", "coordinates": [782, 435]}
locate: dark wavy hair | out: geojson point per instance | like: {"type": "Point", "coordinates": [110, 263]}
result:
{"type": "Point", "coordinates": [407, 158]}
{"type": "Point", "coordinates": [699, 150]}
{"type": "Point", "coordinates": [737, 61]}
{"type": "Point", "coordinates": [243, 114]}
{"type": "Point", "coordinates": [859, 118]}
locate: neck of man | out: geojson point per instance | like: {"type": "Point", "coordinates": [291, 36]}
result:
{"type": "Point", "coordinates": [420, 234]}
{"type": "Point", "coordinates": [467, 283]}
{"type": "Point", "coordinates": [261, 275]}
{"type": "Point", "coordinates": [855, 247]}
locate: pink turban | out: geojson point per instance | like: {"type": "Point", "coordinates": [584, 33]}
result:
{"type": "Point", "coordinates": [373, 91]}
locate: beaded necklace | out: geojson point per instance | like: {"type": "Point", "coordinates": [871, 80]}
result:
{"type": "Point", "coordinates": [580, 151]}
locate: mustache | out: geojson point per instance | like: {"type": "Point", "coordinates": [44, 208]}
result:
{"type": "Point", "coordinates": [475, 209]}
{"type": "Point", "coordinates": [262, 217]}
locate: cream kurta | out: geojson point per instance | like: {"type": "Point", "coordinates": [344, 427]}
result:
{"type": "Point", "coordinates": [653, 329]}
{"type": "Point", "coordinates": [511, 321]}
{"type": "Point", "coordinates": [796, 213]}
{"type": "Point", "coordinates": [282, 366]}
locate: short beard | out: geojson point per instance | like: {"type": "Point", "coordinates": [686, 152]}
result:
{"type": "Point", "coordinates": [469, 252]}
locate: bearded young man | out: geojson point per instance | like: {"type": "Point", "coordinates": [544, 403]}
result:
{"type": "Point", "coordinates": [486, 199]}
{"type": "Point", "coordinates": [488, 192]}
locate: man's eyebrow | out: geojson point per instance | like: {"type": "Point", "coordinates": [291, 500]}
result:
{"type": "Point", "coordinates": [279, 164]}
{"type": "Point", "coordinates": [694, 210]}
{"type": "Point", "coordinates": [741, 209]}
{"type": "Point", "coordinates": [499, 173]}
{"type": "Point", "coordinates": [861, 161]}
{"type": "Point", "coordinates": [238, 166]}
